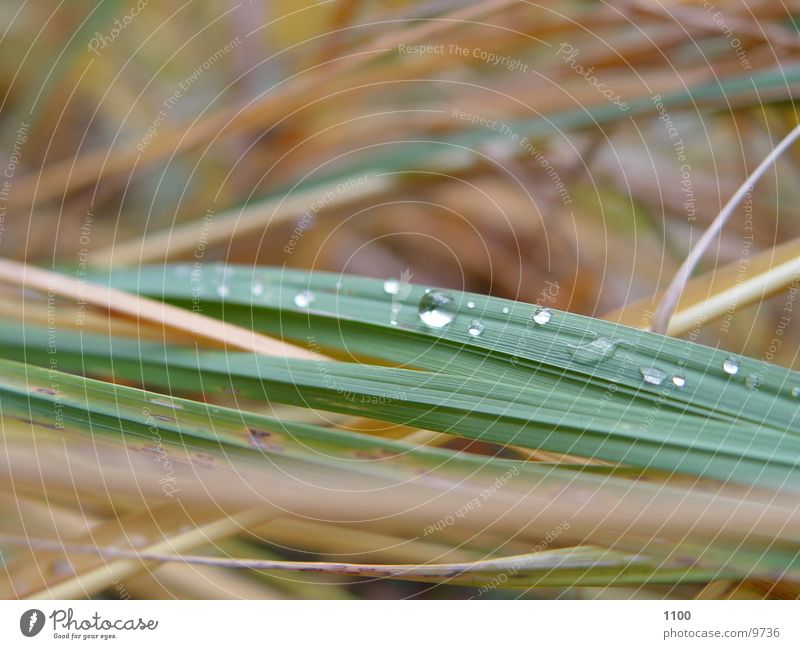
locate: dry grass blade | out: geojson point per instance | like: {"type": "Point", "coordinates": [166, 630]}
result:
{"type": "Point", "coordinates": [713, 294]}
{"type": "Point", "coordinates": [520, 570]}
{"type": "Point", "coordinates": [171, 317]}
{"type": "Point", "coordinates": [70, 175]}
{"type": "Point", "coordinates": [125, 565]}
{"type": "Point", "coordinates": [182, 239]}
{"type": "Point", "coordinates": [669, 301]}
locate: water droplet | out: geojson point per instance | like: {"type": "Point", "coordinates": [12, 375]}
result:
{"type": "Point", "coordinates": [542, 316]}
{"type": "Point", "coordinates": [475, 328]}
{"type": "Point", "coordinates": [303, 299]}
{"type": "Point", "coordinates": [753, 381]}
{"type": "Point", "coordinates": [653, 375]}
{"type": "Point", "coordinates": [679, 380]}
{"type": "Point", "coordinates": [391, 287]}
{"type": "Point", "coordinates": [470, 304]}
{"type": "Point", "coordinates": [258, 288]}
{"type": "Point", "coordinates": [594, 352]}
{"type": "Point", "coordinates": [506, 310]}
{"type": "Point", "coordinates": [437, 309]}
{"type": "Point", "coordinates": [731, 365]}
{"type": "Point", "coordinates": [223, 290]}
{"type": "Point", "coordinates": [796, 391]}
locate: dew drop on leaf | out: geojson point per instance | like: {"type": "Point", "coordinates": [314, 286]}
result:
{"type": "Point", "coordinates": [731, 365]}
{"type": "Point", "coordinates": [303, 299]}
{"type": "Point", "coordinates": [542, 316]}
{"type": "Point", "coordinates": [437, 309]}
{"type": "Point", "coordinates": [753, 381]}
{"type": "Point", "coordinates": [391, 287]}
{"type": "Point", "coordinates": [679, 380]}
{"type": "Point", "coordinates": [594, 352]}
{"type": "Point", "coordinates": [653, 375]}
{"type": "Point", "coordinates": [475, 328]}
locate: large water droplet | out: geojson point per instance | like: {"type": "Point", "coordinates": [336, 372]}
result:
{"type": "Point", "coordinates": [437, 309]}
{"type": "Point", "coordinates": [223, 290]}
{"type": "Point", "coordinates": [679, 380]}
{"type": "Point", "coordinates": [475, 328]}
{"type": "Point", "coordinates": [258, 288]}
{"type": "Point", "coordinates": [470, 304]}
{"type": "Point", "coordinates": [594, 352]}
{"type": "Point", "coordinates": [731, 365]}
{"type": "Point", "coordinates": [542, 316]}
{"type": "Point", "coordinates": [303, 299]}
{"type": "Point", "coordinates": [391, 287]}
{"type": "Point", "coordinates": [653, 375]}
{"type": "Point", "coordinates": [506, 310]}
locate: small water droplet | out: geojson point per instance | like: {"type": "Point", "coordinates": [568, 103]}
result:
{"type": "Point", "coordinates": [753, 381]}
{"type": "Point", "coordinates": [258, 288]}
{"type": "Point", "coordinates": [506, 310]}
{"type": "Point", "coordinates": [437, 309]}
{"type": "Point", "coordinates": [475, 328]}
{"type": "Point", "coordinates": [223, 290]}
{"type": "Point", "coordinates": [731, 365]}
{"type": "Point", "coordinates": [470, 304]}
{"type": "Point", "coordinates": [679, 380]}
{"type": "Point", "coordinates": [391, 287]}
{"type": "Point", "coordinates": [653, 375]}
{"type": "Point", "coordinates": [303, 299]}
{"type": "Point", "coordinates": [542, 316]}
{"type": "Point", "coordinates": [796, 391]}
{"type": "Point", "coordinates": [594, 352]}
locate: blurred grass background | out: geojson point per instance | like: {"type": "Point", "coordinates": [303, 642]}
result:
{"type": "Point", "coordinates": [571, 150]}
